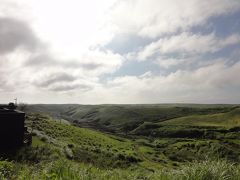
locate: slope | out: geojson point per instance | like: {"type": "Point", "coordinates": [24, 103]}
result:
{"type": "Point", "coordinates": [125, 118]}
{"type": "Point", "coordinates": [228, 119]}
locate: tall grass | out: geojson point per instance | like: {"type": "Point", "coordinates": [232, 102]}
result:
{"type": "Point", "coordinates": [68, 170]}
{"type": "Point", "coordinates": [206, 170]}
{"type": "Point", "coordinates": [210, 170]}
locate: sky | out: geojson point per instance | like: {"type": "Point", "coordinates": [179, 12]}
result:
{"type": "Point", "coordinates": [120, 51]}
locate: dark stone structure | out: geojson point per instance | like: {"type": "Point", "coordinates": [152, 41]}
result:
{"type": "Point", "coordinates": [11, 127]}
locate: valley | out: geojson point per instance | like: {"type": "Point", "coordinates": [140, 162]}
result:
{"type": "Point", "coordinates": [128, 142]}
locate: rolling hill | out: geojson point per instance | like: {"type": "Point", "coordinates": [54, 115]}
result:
{"type": "Point", "coordinates": [125, 118]}
{"type": "Point", "coordinates": [228, 119]}
{"type": "Point", "coordinates": [164, 142]}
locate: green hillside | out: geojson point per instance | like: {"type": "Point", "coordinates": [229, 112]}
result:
{"type": "Point", "coordinates": [65, 151]}
{"type": "Point", "coordinates": [228, 119]}
{"type": "Point", "coordinates": [124, 118]}
{"type": "Point", "coordinates": [219, 125]}
{"type": "Point", "coordinates": [84, 144]}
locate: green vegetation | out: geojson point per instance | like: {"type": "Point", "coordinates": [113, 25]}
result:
{"type": "Point", "coordinates": [124, 118]}
{"type": "Point", "coordinates": [229, 119]}
{"type": "Point", "coordinates": [183, 142]}
{"type": "Point", "coordinates": [67, 170]}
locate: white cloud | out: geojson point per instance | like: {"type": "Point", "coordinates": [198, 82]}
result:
{"type": "Point", "coordinates": [188, 43]}
{"type": "Point", "coordinates": [152, 18]}
{"type": "Point", "coordinates": [68, 39]}
{"type": "Point", "coordinates": [54, 51]}
{"type": "Point", "coordinates": [74, 74]}
{"type": "Point", "coordinates": [187, 86]}
{"type": "Point", "coordinates": [167, 63]}
{"type": "Point", "coordinates": [71, 27]}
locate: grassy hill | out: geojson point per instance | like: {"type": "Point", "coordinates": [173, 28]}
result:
{"type": "Point", "coordinates": [219, 125]}
{"type": "Point", "coordinates": [125, 118]}
{"type": "Point", "coordinates": [54, 110]}
{"type": "Point", "coordinates": [128, 142]}
{"type": "Point", "coordinates": [228, 119]}
{"type": "Point", "coordinates": [65, 151]}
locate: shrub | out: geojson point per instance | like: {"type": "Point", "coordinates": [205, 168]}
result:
{"type": "Point", "coordinates": [36, 154]}
{"type": "Point", "coordinates": [6, 169]}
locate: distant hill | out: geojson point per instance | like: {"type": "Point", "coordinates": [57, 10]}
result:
{"type": "Point", "coordinates": [228, 119]}
{"type": "Point", "coordinates": [125, 118]}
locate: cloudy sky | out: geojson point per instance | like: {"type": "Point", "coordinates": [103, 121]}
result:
{"type": "Point", "coordinates": [120, 51]}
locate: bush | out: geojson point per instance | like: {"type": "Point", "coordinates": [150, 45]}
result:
{"type": "Point", "coordinates": [6, 169]}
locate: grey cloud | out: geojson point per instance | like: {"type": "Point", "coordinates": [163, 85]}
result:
{"type": "Point", "coordinates": [61, 82]}
{"type": "Point", "coordinates": [5, 86]}
{"type": "Point", "coordinates": [2, 84]}
{"type": "Point", "coordinates": [15, 33]}
{"type": "Point", "coordinates": [46, 59]}
{"type": "Point", "coordinates": [70, 87]}
{"type": "Point", "coordinates": [41, 59]}
{"type": "Point", "coordinates": [91, 66]}
{"type": "Point", "coordinates": [55, 78]}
